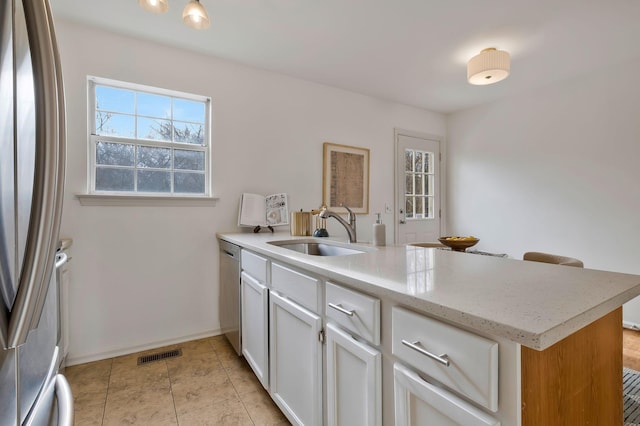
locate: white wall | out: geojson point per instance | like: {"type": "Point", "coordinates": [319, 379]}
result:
{"type": "Point", "coordinates": [144, 276]}
{"type": "Point", "coordinates": [555, 170]}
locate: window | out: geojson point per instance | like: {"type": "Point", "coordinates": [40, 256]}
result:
{"type": "Point", "coordinates": [148, 141]}
{"type": "Point", "coordinates": [419, 184]}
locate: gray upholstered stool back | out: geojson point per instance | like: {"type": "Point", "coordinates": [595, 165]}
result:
{"type": "Point", "coordinates": [552, 258]}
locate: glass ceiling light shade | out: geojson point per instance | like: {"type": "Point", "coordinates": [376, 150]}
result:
{"type": "Point", "coordinates": [195, 15]}
{"type": "Point", "coordinates": [488, 67]}
{"type": "Point", "coordinates": [155, 6]}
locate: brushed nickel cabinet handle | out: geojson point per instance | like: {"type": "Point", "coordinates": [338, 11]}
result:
{"type": "Point", "coordinates": [341, 309]}
{"type": "Point", "coordinates": [442, 359]}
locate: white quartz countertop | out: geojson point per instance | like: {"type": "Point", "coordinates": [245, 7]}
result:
{"type": "Point", "coordinates": [534, 304]}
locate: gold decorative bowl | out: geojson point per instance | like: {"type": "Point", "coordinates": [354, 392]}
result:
{"type": "Point", "coordinates": [459, 243]}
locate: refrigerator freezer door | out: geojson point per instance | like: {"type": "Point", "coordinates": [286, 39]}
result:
{"type": "Point", "coordinates": [54, 406]}
{"type": "Point", "coordinates": [39, 353]}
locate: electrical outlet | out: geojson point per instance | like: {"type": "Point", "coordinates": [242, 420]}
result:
{"type": "Point", "coordinates": [387, 208]}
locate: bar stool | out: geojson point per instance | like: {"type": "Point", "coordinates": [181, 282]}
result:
{"type": "Point", "coordinates": [536, 256]}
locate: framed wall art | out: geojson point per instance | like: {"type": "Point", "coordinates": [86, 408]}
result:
{"type": "Point", "coordinates": [345, 178]}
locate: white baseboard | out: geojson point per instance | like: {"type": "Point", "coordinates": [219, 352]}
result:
{"type": "Point", "coordinates": [631, 325]}
{"type": "Point", "coordinates": [82, 359]}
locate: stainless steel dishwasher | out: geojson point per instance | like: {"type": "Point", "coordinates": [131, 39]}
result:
{"type": "Point", "coordinates": [230, 294]}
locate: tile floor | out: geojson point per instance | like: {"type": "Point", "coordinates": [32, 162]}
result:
{"type": "Point", "coordinates": [208, 385]}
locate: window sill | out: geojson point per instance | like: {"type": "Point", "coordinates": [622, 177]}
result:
{"type": "Point", "coordinates": [144, 200]}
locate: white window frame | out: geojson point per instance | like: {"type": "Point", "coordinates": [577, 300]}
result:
{"type": "Point", "coordinates": [94, 196]}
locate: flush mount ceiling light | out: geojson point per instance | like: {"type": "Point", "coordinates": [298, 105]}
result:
{"type": "Point", "coordinates": [194, 14]}
{"type": "Point", "coordinates": [488, 67]}
{"type": "Point", "coordinates": [155, 6]}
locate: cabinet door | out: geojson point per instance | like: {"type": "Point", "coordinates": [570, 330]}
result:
{"type": "Point", "coordinates": [354, 381]}
{"type": "Point", "coordinates": [419, 403]}
{"type": "Point", "coordinates": [296, 361]}
{"type": "Point", "coordinates": [255, 329]}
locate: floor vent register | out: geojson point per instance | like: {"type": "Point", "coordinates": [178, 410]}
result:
{"type": "Point", "coordinates": [145, 359]}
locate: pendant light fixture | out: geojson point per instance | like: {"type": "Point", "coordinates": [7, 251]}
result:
{"type": "Point", "coordinates": [488, 67]}
{"type": "Point", "coordinates": [155, 6]}
{"type": "Point", "coordinates": [195, 15]}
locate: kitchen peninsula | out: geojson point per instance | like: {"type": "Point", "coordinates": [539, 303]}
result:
{"type": "Point", "coordinates": [552, 334]}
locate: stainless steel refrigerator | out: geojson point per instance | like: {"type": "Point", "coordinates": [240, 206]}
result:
{"type": "Point", "coordinates": [32, 142]}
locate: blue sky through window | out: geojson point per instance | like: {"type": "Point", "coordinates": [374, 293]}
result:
{"type": "Point", "coordinates": [118, 111]}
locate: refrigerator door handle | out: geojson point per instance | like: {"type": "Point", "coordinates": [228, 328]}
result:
{"type": "Point", "coordinates": [49, 174]}
{"type": "Point", "coordinates": [65, 401]}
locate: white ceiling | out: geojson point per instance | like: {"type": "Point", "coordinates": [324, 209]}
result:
{"type": "Point", "coordinates": [408, 51]}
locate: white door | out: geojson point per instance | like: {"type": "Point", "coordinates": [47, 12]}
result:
{"type": "Point", "coordinates": [255, 328]}
{"type": "Point", "coordinates": [354, 381]}
{"type": "Point", "coordinates": [419, 403]}
{"type": "Point", "coordinates": [418, 189]}
{"type": "Point", "coordinates": [296, 361]}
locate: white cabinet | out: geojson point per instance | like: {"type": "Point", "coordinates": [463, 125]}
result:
{"type": "Point", "coordinates": [419, 403]}
{"type": "Point", "coordinates": [462, 361]}
{"type": "Point", "coordinates": [295, 360]}
{"type": "Point", "coordinates": [354, 311]}
{"type": "Point", "coordinates": [354, 381]}
{"type": "Point", "coordinates": [255, 326]}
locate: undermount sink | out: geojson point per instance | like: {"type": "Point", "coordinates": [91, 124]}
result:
{"type": "Point", "coordinates": [316, 248]}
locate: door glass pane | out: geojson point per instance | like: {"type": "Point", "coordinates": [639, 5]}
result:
{"type": "Point", "coordinates": [408, 160]}
{"type": "Point", "coordinates": [188, 160]}
{"type": "Point", "coordinates": [114, 154]}
{"type": "Point", "coordinates": [418, 161]}
{"type": "Point", "coordinates": [409, 208]}
{"type": "Point", "coordinates": [112, 179]}
{"type": "Point", "coordinates": [429, 184]}
{"type": "Point", "coordinates": [192, 183]}
{"type": "Point", "coordinates": [428, 162]}
{"type": "Point", "coordinates": [429, 212]}
{"type": "Point", "coordinates": [157, 158]}
{"type": "Point", "coordinates": [419, 207]}
{"type": "Point", "coordinates": [409, 184]}
{"type": "Point", "coordinates": [419, 187]}
{"type": "Point", "coordinates": [154, 181]}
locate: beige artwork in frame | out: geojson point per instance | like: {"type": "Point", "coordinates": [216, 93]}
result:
{"type": "Point", "coordinates": [345, 178]}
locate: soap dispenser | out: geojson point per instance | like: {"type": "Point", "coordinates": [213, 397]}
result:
{"type": "Point", "coordinates": [379, 232]}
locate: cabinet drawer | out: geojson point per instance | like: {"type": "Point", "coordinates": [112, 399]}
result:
{"type": "Point", "coordinates": [299, 287]}
{"type": "Point", "coordinates": [418, 402]}
{"type": "Point", "coordinates": [356, 312]}
{"type": "Point", "coordinates": [254, 265]}
{"type": "Point", "coordinates": [428, 345]}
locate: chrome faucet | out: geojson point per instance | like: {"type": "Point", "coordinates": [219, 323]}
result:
{"type": "Point", "coordinates": [350, 226]}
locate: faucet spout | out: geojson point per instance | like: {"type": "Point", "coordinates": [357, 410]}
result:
{"type": "Point", "coordinates": [349, 224]}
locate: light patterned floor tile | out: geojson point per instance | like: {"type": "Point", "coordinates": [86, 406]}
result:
{"type": "Point", "coordinates": [244, 380]}
{"type": "Point", "coordinates": [193, 365]}
{"type": "Point", "coordinates": [208, 385]}
{"type": "Point", "coordinates": [140, 407]}
{"type": "Point", "coordinates": [228, 412]}
{"type": "Point", "coordinates": [203, 392]}
{"type": "Point", "coordinates": [262, 410]}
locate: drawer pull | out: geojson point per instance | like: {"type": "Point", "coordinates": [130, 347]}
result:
{"type": "Point", "coordinates": [442, 359]}
{"type": "Point", "coordinates": [341, 309]}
